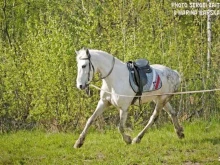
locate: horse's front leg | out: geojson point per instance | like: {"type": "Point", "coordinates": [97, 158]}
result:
{"type": "Point", "coordinates": [155, 114]}
{"type": "Point", "coordinates": [99, 109]}
{"type": "Point", "coordinates": [123, 118]}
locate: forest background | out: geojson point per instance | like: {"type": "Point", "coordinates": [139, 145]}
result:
{"type": "Point", "coordinates": [38, 72]}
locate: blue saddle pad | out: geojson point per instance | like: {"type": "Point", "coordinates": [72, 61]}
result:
{"type": "Point", "coordinates": [153, 82]}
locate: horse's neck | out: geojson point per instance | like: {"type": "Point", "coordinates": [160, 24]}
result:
{"type": "Point", "coordinates": [104, 64]}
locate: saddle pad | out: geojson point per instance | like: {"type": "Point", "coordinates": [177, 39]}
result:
{"type": "Point", "coordinates": [153, 82]}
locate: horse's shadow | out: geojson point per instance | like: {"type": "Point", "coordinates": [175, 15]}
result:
{"type": "Point", "coordinates": [213, 140]}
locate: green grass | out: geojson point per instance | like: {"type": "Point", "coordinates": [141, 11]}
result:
{"type": "Point", "coordinates": [159, 146]}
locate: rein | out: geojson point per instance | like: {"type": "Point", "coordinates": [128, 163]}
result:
{"type": "Point", "coordinates": [113, 64]}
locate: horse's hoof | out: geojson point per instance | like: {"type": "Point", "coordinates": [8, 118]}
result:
{"type": "Point", "coordinates": [136, 140]}
{"type": "Point", "coordinates": [127, 139]}
{"type": "Point", "coordinates": [181, 135]}
{"type": "Point", "coordinates": [78, 144]}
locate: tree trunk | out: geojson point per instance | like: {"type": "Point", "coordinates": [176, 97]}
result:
{"type": "Point", "coordinates": [209, 39]}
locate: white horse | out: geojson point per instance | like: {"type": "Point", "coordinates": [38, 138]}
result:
{"type": "Point", "coordinates": [115, 79]}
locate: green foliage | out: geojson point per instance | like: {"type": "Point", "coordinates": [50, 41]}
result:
{"type": "Point", "coordinates": [38, 67]}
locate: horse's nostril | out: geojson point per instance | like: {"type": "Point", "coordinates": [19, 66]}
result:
{"type": "Point", "coordinates": [80, 86]}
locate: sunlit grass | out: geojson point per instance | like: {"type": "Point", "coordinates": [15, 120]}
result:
{"type": "Point", "coordinates": [159, 146]}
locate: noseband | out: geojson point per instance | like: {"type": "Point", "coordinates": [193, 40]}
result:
{"type": "Point", "coordinates": [91, 67]}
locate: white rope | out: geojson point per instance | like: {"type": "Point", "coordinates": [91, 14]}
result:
{"type": "Point", "coordinates": [176, 93]}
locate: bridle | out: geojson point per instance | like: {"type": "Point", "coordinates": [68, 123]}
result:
{"type": "Point", "coordinates": [91, 67]}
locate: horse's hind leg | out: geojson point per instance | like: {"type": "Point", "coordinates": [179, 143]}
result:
{"type": "Point", "coordinates": [179, 130]}
{"type": "Point", "coordinates": [155, 114]}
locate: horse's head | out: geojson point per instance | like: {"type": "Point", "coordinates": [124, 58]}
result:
{"type": "Point", "coordinates": [85, 68]}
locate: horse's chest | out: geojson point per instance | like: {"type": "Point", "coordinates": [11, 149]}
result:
{"type": "Point", "coordinates": [118, 102]}
{"type": "Point", "coordinates": [115, 102]}
{"type": "Point", "coordinates": [112, 99]}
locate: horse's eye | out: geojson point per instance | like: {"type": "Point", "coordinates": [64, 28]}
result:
{"type": "Point", "coordinates": [83, 66]}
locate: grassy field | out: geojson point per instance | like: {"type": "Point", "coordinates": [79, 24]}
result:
{"type": "Point", "coordinates": [159, 146]}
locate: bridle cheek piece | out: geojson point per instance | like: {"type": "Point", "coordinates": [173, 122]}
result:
{"type": "Point", "coordinates": [91, 67]}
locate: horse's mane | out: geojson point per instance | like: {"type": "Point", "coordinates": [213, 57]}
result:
{"type": "Point", "coordinates": [82, 53]}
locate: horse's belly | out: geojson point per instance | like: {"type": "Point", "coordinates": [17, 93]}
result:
{"type": "Point", "coordinates": [145, 99]}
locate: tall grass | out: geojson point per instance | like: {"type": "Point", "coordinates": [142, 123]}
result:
{"type": "Point", "coordinates": [159, 146]}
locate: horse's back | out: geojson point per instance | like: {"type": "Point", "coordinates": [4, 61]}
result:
{"type": "Point", "coordinates": [171, 79]}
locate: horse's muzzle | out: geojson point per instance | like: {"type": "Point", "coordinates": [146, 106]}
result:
{"type": "Point", "coordinates": [82, 87]}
